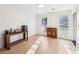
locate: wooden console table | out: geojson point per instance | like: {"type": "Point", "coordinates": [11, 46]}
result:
{"type": "Point", "coordinates": [7, 43]}
{"type": "Point", "coordinates": [52, 32]}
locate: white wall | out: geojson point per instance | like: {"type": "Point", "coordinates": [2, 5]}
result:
{"type": "Point", "coordinates": [74, 25]}
{"type": "Point", "coordinates": [53, 21]}
{"type": "Point", "coordinates": [13, 16]}
{"type": "Point", "coordinates": [38, 23]}
{"type": "Point", "coordinates": [78, 25]}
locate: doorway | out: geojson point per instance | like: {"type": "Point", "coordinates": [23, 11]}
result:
{"type": "Point", "coordinates": [44, 26]}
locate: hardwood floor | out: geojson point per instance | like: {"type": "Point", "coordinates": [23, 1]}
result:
{"type": "Point", "coordinates": [47, 46]}
{"type": "Point", "coordinates": [21, 48]}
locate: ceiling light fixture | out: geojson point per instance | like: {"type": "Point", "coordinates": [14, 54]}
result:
{"type": "Point", "coordinates": [52, 9]}
{"type": "Point", "coordinates": [41, 6]}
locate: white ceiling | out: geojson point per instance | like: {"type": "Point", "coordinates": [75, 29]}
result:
{"type": "Point", "coordinates": [34, 7]}
{"type": "Point", "coordinates": [46, 9]}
